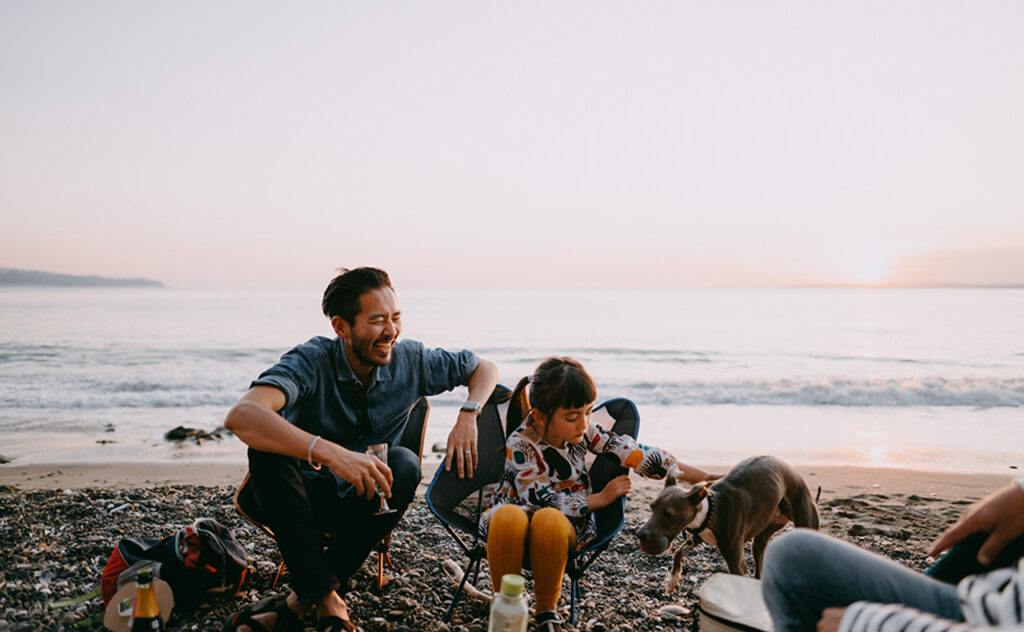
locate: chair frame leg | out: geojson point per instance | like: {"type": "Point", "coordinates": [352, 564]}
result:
{"type": "Point", "coordinates": [380, 571]}
{"type": "Point", "coordinates": [472, 567]}
{"type": "Point", "coordinates": [277, 576]}
{"type": "Point", "coordinates": [574, 587]}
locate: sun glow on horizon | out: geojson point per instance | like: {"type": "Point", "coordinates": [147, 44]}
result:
{"type": "Point", "coordinates": [870, 263]}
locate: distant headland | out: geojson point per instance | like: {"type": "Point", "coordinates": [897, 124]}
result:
{"type": "Point", "coordinates": [37, 278]}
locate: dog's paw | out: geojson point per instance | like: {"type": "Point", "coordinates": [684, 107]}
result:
{"type": "Point", "coordinates": [673, 582]}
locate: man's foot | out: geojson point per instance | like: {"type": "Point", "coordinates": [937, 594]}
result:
{"type": "Point", "coordinates": [333, 615]}
{"type": "Point", "coordinates": [274, 614]}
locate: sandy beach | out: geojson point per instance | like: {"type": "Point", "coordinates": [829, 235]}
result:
{"type": "Point", "coordinates": [834, 480]}
{"type": "Point", "coordinates": [58, 524]}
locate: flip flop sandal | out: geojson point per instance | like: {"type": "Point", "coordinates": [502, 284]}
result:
{"type": "Point", "coordinates": [286, 621]}
{"type": "Point", "coordinates": [548, 621]}
{"type": "Point", "coordinates": [335, 624]}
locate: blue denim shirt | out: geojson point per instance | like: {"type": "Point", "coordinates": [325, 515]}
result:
{"type": "Point", "coordinates": [324, 397]}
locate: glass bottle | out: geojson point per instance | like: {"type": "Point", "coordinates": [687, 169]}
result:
{"type": "Point", "coordinates": [146, 614]}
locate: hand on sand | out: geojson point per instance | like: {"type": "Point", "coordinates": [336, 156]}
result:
{"type": "Point", "coordinates": [830, 619]}
{"type": "Point", "coordinates": [1001, 515]}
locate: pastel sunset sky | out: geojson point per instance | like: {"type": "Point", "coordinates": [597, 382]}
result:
{"type": "Point", "coordinates": [542, 144]}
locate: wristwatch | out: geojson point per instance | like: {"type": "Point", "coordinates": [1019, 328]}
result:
{"type": "Point", "coordinates": [471, 407]}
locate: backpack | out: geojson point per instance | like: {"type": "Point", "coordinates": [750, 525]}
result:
{"type": "Point", "coordinates": [203, 557]}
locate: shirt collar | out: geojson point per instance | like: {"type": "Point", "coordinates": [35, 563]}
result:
{"type": "Point", "coordinates": [346, 374]}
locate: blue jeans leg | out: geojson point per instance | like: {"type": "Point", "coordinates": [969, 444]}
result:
{"type": "Point", "coordinates": [806, 572]}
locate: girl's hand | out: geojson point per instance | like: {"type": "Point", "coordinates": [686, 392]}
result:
{"type": "Point", "coordinates": [708, 477]}
{"type": "Point", "coordinates": [615, 489]}
{"type": "Point", "coordinates": [693, 475]}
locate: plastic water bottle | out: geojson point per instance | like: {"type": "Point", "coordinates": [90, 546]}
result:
{"type": "Point", "coordinates": [508, 610]}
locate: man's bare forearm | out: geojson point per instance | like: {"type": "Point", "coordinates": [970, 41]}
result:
{"type": "Point", "coordinates": [483, 381]}
{"type": "Point", "coordinates": [260, 428]}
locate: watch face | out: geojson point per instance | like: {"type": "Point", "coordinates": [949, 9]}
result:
{"type": "Point", "coordinates": [472, 407]}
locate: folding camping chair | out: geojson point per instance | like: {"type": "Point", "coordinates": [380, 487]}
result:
{"type": "Point", "coordinates": [412, 438]}
{"type": "Point", "coordinates": [447, 492]}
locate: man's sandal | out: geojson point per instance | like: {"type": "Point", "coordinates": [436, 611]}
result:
{"type": "Point", "coordinates": [548, 621]}
{"type": "Point", "coordinates": [335, 624]}
{"type": "Point", "coordinates": [286, 620]}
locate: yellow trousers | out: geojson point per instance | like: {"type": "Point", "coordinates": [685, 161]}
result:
{"type": "Point", "coordinates": [549, 535]}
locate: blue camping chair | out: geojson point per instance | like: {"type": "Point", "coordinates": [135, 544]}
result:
{"type": "Point", "coordinates": [450, 498]}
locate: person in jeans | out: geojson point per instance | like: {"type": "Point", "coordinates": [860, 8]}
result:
{"type": "Point", "coordinates": [308, 420]}
{"type": "Point", "coordinates": [812, 581]}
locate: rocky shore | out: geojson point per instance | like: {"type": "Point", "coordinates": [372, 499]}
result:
{"type": "Point", "coordinates": [54, 544]}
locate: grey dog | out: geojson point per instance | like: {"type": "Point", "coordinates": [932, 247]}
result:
{"type": "Point", "coordinates": [758, 496]}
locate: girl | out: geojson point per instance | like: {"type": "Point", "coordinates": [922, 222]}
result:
{"type": "Point", "coordinates": [543, 502]}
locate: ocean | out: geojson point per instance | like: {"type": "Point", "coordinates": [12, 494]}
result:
{"type": "Point", "coordinates": [923, 379]}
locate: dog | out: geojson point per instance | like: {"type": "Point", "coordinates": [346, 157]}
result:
{"type": "Point", "coordinates": [758, 496]}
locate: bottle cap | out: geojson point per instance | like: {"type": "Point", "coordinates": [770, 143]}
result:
{"type": "Point", "coordinates": [512, 584]}
{"type": "Point", "coordinates": [145, 576]}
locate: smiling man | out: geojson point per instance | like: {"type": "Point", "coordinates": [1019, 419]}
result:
{"type": "Point", "coordinates": [308, 421]}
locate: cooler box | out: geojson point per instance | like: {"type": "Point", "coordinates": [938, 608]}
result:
{"type": "Point", "coordinates": [731, 602]}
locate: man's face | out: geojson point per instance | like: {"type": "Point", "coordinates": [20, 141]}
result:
{"type": "Point", "coordinates": [376, 328]}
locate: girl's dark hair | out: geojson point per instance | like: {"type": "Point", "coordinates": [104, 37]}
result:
{"type": "Point", "coordinates": [556, 382]}
{"type": "Point", "coordinates": [341, 298]}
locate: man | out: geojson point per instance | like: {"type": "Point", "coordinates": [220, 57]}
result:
{"type": "Point", "coordinates": [308, 421]}
{"type": "Point", "coordinates": [812, 581]}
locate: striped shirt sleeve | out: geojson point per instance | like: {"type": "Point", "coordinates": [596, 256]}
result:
{"type": "Point", "coordinates": [990, 600]}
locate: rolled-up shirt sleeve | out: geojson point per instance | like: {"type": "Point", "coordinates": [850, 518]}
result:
{"type": "Point", "coordinates": [444, 370]}
{"type": "Point", "coordinates": [291, 375]}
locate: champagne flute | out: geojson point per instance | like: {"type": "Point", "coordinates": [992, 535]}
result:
{"type": "Point", "coordinates": [380, 450]}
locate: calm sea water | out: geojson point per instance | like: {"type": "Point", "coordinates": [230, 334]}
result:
{"type": "Point", "coordinates": [930, 379]}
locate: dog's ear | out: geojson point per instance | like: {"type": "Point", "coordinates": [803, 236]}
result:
{"type": "Point", "coordinates": [673, 474]}
{"type": "Point", "coordinates": [698, 493]}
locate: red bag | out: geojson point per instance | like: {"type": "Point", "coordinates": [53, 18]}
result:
{"type": "Point", "coordinates": [203, 557]}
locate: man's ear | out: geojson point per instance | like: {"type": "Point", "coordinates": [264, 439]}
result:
{"type": "Point", "coordinates": [698, 493]}
{"type": "Point", "coordinates": [340, 327]}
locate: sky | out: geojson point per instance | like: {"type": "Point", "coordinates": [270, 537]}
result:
{"type": "Point", "coordinates": [519, 144]}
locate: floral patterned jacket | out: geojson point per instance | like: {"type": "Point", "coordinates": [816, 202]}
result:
{"type": "Point", "coordinates": [538, 474]}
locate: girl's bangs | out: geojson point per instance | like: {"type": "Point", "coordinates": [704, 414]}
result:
{"type": "Point", "coordinates": [578, 389]}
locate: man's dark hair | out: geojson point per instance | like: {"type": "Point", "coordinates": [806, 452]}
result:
{"type": "Point", "coordinates": [341, 298]}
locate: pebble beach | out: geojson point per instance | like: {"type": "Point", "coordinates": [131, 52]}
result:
{"type": "Point", "coordinates": [59, 525]}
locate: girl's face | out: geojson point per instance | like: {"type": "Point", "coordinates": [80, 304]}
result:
{"type": "Point", "coordinates": [566, 425]}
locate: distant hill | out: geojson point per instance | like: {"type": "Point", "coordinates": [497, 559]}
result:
{"type": "Point", "coordinates": [26, 278]}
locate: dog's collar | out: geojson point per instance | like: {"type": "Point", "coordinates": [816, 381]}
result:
{"type": "Point", "coordinates": [704, 515]}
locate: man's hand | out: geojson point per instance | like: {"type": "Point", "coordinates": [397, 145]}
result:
{"type": "Point", "coordinates": [358, 468]}
{"type": "Point", "coordinates": [462, 446]}
{"type": "Point", "coordinates": [1001, 515]}
{"type": "Point", "coordinates": [830, 619]}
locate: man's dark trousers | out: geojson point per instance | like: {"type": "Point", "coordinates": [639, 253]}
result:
{"type": "Point", "coordinates": [300, 510]}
